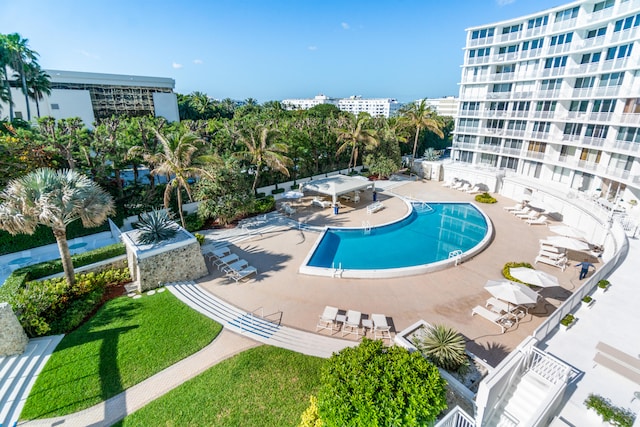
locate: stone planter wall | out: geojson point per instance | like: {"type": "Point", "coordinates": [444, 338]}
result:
{"type": "Point", "coordinates": [182, 263]}
{"type": "Point", "coordinates": [13, 339]}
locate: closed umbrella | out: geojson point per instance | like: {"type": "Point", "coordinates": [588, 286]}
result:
{"type": "Point", "coordinates": [512, 292]}
{"type": "Point", "coordinates": [565, 230]}
{"type": "Point", "coordinates": [568, 243]}
{"type": "Point", "coordinates": [534, 277]}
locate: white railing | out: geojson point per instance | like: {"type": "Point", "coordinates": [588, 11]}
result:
{"type": "Point", "coordinates": [457, 417]}
{"type": "Point", "coordinates": [547, 366]}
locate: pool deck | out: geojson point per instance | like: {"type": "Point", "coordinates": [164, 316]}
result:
{"type": "Point", "coordinates": [442, 297]}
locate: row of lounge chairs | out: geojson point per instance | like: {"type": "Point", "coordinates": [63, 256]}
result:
{"type": "Point", "coordinates": [530, 216]}
{"type": "Point", "coordinates": [230, 264]}
{"type": "Point", "coordinates": [501, 313]}
{"type": "Point", "coordinates": [552, 255]}
{"type": "Point", "coordinates": [463, 186]}
{"type": "Point", "coordinates": [352, 322]}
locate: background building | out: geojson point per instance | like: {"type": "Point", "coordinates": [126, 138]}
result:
{"type": "Point", "coordinates": [377, 107]}
{"type": "Point", "coordinates": [445, 106]}
{"type": "Point", "coordinates": [555, 96]}
{"type": "Point", "coordinates": [93, 96]}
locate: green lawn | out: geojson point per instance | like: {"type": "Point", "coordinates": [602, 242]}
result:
{"type": "Point", "coordinates": [127, 341]}
{"type": "Point", "coordinates": [263, 386]}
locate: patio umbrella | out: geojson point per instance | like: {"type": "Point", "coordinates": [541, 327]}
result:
{"type": "Point", "coordinates": [534, 277]}
{"type": "Point", "coordinates": [512, 292]}
{"type": "Point", "coordinates": [293, 194]}
{"type": "Point", "coordinates": [565, 230]}
{"type": "Point", "coordinates": [568, 243]}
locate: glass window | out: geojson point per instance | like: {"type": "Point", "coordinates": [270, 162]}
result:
{"type": "Point", "coordinates": [590, 57]}
{"type": "Point", "coordinates": [567, 14]}
{"type": "Point", "coordinates": [597, 131]}
{"type": "Point", "coordinates": [561, 39]}
{"type": "Point", "coordinates": [603, 5]}
{"type": "Point", "coordinates": [537, 22]}
{"type": "Point", "coordinates": [611, 79]}
{"type": "Point", "coordinates": [584, 82]}
{"type": "Point", "coordinates": [512, 29]}
{"type": "Point", "coordinates": [550, 84]}
{"type": "Point", "coordinates": [596, 33]}
{"type": "Point", "coordinates": [557, 62]}
{"type": "Point", "coordinates": [572, 128]}
{"type": "Point", "coordinates": [579, 106]}
{"type": "Point", "coordinates": [521, 106]}
{"type": "Point", "coordinates": [546, 105]}
{"type": "Point", "coordinates": [502, 87]}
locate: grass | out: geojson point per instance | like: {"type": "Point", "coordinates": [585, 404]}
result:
{"type": "Point", "coordinates": [127, 341]}
{"type": "Point", "coordinates": [263, 386]}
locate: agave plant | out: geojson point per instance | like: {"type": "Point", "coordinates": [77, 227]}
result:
{"type": "Point", "coordinates": [154, 227]}
{"type": "Point", "coordinates": [444, 347]}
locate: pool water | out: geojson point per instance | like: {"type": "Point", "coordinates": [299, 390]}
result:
{"type": "Point", "coordinates": [426, 236]}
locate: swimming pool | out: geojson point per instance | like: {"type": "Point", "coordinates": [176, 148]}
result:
{"type": "Point", "coordinates": [420, 242]}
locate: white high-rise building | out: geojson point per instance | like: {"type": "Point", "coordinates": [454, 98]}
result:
{"type": "Point", "coordinates": [445, 106]}
{"type": "Point", "coordinates": [377, 107]}
{"type": "Point", "coordinates": [555, 96]}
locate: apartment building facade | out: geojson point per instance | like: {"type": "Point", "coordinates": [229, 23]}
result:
{"type": "Point", "coordinates": [555, 96]}
{"type": "Point", "coordinates": [377, 107]}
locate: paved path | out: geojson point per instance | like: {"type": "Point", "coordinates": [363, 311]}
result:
{"type": "Point", "coordinates": [107, 413]}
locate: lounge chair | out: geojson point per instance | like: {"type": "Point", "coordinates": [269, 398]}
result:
{"type": "Point", "coordinates": [492, 316]}
{"type": "Point", "coordinates": [380, 327]}
{"type": "Point", "coordinates": [221, 252]}
{"type": "Point", "coordinates": [449, 183]}
{"type": "Point", "coordinates": [541, 220]}
{"type": "Point", "coordinates": [517, 207]}
{"type": "Point", "coordinates": [352, 323]}
{"type": "Point", "coordinates": [522, 211]}
{"type": "Point", "coordinates": [374, 207]}
{"type": "Point", "coordinates": [457, 185]}
{"type": "Point", "coordinates": [288, 209]}
{"type": "Point", "coordinates": [236, 266]}
{"type": "Point", "coordinates": [498, 306]}
{"type": "Point", "coordinates": [464, 187]}
{"type": "Point", "coordinates": [552, 255]}
{"type": "Point", "coordinates": [327, 319]}
{"type": "Point", "coordinates": [321, 203]}
{"type": "Point", "coordinates": [243, 274]}
{"type": "Point", "coordinates": [530, 215]}
{"type": "Point", "coordinates": [226, 260]}
{"type": "Point", "coordinates": [561, 263]}
{"type": "Point", "coordinates": [474, 190]}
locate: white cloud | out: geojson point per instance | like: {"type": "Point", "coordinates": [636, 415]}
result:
{"type": "Point", "coordinates": [345, 26]}
{"type": "Point", "coordinates": [198, 61]}
{"type": "Point", "coordinates": [504, 2]}
{"type": "Point", "coordinates": [88, 55]}
{"type": "Point", "coordinates": [176, 65]}
{"type": "Point", "coordinates": [312, 47]}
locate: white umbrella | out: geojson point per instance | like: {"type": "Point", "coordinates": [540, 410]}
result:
{"type": "Point", "coordinates": [534, 277]}
{"type": "Point", "coordinates": [565, 230]}
{"type": "Point", "coordinates": [568, 243]}
{"type": "Point", "coordinates": [515, 293]}
{"type": "Point", "coordinates": [293, 195]}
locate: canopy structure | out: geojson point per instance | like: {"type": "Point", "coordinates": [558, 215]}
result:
{"type": "Point", "coordinates": [337, 185]}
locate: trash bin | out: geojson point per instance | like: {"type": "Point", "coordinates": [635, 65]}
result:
{"type": "Point", "coordinates": [336, 208]}
{"type": "Point", "coordinates": [375, 196]}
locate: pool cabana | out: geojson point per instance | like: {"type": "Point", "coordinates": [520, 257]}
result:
{"type": "Point", "coordinates": [337, 185]}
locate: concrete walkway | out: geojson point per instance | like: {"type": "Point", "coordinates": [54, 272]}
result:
{"type": "Point", "coordinates": [226, 345]}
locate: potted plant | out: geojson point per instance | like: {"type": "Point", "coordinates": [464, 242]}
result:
{"type": "Point", "coordinates": [587, 301]}
{"type": "Point", "coordinates": [603, 285]}
{"type": "Point", "coordinates": [568, 321]}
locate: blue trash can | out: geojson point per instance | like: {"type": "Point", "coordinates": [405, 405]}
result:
{"type": "Point", "coordinates": [336, 208]}
{"type": "Point", "coordinates": [375, 196]}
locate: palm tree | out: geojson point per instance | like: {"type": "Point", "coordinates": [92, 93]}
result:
{"type": "Point", "coordinates": [53, 199]}
{"type": "Point", "coordinates": [201, 102]}
{"type": "Point", "coordinates": [262, 148]}
{"type": "Point", "coordinates": [19, 57]}
{"type": "Point", "coordinates": [178, 162]}
{"type": "Point", "coordinates": [351, 133]}
{"type": "Point", "coordinates": [420, 116]}
{"type": "Point", "coordinates": [444, 347]}
{"type": "Point", "coordinates": [38, 83]}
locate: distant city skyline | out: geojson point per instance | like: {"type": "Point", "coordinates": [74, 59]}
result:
{"type": "Point", "coordinates": [405, 50]}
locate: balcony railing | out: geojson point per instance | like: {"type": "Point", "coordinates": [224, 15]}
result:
{"type": "Point", "coordinates": [601, 117]}
{"type": "Point", "coordinates": [469, 113]}
{"type": "Point", "coordinates": [503, 76]}
{"type": "Point", "coordinates": [630, 118]}
{"type": "Point", "coordinates": [566, 137]}
{"type": "Point", "coordinates": [535, 155]}
{"type": "Point", "coordinates": [593, 41]}
{"type": "Point", "coordinates": [517, 133]}
{"type": "Point", "coordinates": [467, 129]}
{"type": "Point", "coordinates": [624, 146]}
{"type": "Point", "coordinates": [584, 92]}
{"type": "Point", "coordinates": [464, 145]}
{"type": "Point", "coordinates": [506, 37]}
{"type": "Point", "coordinates": [490, 148]}
{"type": "Point", "coordinates": [499, 95]}
{"type": "Point", "coordinates": [615, 64]}
{"type": "Point", "coordinates": [585, 68]}
{"type": "Point", "coordinates": [497, 113]}
{"type": "Point", "coordinates": [480, 42]}
{"type": "Point", "coordinates": [600, 15]}
{"type": "Point", "coordinates": [618, 172]}
{"type": "Point", "coordinates": [511, 151]}
{"type": "Point", "coordinates": [543, 114]}
{"type": "Point", "coordinates": [569, 23]}
{"type": "Point", "coordinates": [456, 418]}
{"type": "Point", "coordinates": [477, 60]}
{"type": "Point", "coordinates": [628, 34]}
{"type": "Point", "coordinates": [593, 141]}
{"type": "Point", "coordinates": [476, 79]}
{"type": "Point", "coordinates": [559, 48]}
{"type": "Point", "coordinates": [553, 93]}
{"type": "Point", "coordinates": [539, 135]}
{"type": "Point", "coordinates": [557, 71]}
{"type": "Point", "coordinates": [585, 164]}
{"type": "Point", "coordinates": [606, 91]}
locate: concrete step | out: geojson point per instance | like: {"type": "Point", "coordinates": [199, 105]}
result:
{"type": "Point", "coordinates": [18, 374]}
{"type": "Point", "coordinates": [522, 400]}
{"type": "Point", "coordinates": [255, 327]}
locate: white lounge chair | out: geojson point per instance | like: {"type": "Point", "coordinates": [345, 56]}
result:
{"type": "Point", "coordinates": [523, 211]}
{"type": "Point", "coordinates": [464, 187]}
{"type": "Point", "coordinates": [352, 323]}
{"type": "Point", "coordinates": [374, 207]}
{"type": "Point", "coordinates": [243, 274]}
{"type": "Point", "coordinates": [530, 215]}
{"type": "Point", "coordinates": [380, 327]}
{"type": "Point", "coordinates": [327, 319]}
{"type": "Point", "coordinates": [288, 209]}
{"type": "Point", "coordinates": [236, 266]}
{"type": "Point", "coordinates": [474, 190]}
{"type": "Point", "coordinates": [226, 260]}
{"type": "Point", "coordinates": [517, 207]}
{"type": "Point", "coordinates": [551, 255]}
{"type": "Point", "coordinates": [449, 183]}
{"type": "Point", "coordinates": [457, 185]}
{"type": "Point", "coordinates": [541, 220]}
{"type": "Point", "coordinates": [561, 263]}
{"type": "Point", "coordinates": [321, 203]}
{"type": "Point", "coordinates": [492, 316]}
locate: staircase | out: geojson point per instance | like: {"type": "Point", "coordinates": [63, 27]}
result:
{"type": "Point", "coordinates": [18, 373]}
{"type": "Point", "coordinates": [520, 403]}
{"type": "Point", "coordinates": [256, 327]}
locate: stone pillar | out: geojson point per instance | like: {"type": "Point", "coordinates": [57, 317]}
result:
{"type": "Point", "coordinates": [13, 339]}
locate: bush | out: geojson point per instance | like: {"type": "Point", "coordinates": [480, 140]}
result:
{"type": "Point", "coordinates": [310, 416]}
{"type": "Point", "coordinates": [52, 306]}
{"type": "Point", "coordinates": [264, 205]}
{"type": "Point", "coordinates": [444, 347]}
{"type": "Point", "coordinates": [485, 198]}
{"type": "Point", "coordinates": [506, 270]}
{"type": "Point", "coordinates": [374, 385]}
{"type": "Point", "coordinates": [603, 284]}
{"type": "Point", "coordinates": [277, 191]}
{"type": "Point", "coordinates": [194, 222]}
{"type": "Point", "coordinates": [587, 299]}
{"type": "Point", "coordinates": [567, 320]}
{"type": "Point", "coordinates": [200, 238]}
{"type": "Point", "coordinates": [611, 414]}
{"type": "Point", "coordinates": [295, 186]}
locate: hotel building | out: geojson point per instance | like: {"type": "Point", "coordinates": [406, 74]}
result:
{"type": "Point", "coordinates": [445, 106]}
{"type": "Point", "coordinates": [377, 107]}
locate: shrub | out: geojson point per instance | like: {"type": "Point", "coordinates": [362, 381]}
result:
{"type": "Point", "coordinates": [264, 205]}
{"type": "Point", "coordinates": [603, 284]}
{"type": "Point", "coordinates": [42, 307]}
{"type": "Point", "coordinates": [194, 222]}
{"type": "Point", "coordinates": [295, 186]}
{"type": "Point", "coordinates": [611, 414]}
{"type": "Point", "coordinates": [277, 191]}
{"type": "Point", "coordinates": [506, 270]}
{"type": "Point", "coordinates": [485, 198]}
{"type": "Point", "coordinates": [310, 416]}
{"type": "Point", "coordinates": [567, 320]}
{"type": "Point", "coordinates": [444, 347]}
{"type": "Point", "coordinates": [587, 299]}
{"type": "Point", "coordinates": [374, 385]}
{"type": "Point", "coordinates": [200, 238]}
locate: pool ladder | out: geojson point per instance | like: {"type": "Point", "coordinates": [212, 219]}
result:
{"type": "Point", "coordinates": [366, 225]}
{"type": "Point", "coordinates": [337, 272]}
{"type": "Point", "coordinates": [457, 254]}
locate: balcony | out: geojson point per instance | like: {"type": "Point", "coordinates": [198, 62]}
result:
{"type": "Point", "coordinates": [464, 146]}
{"type": "Point", "coordinates": [502, 77]}
{"type": "Point", "coordinates": [499, 95]}
{"type": "Point", "coordinates": [539, 135]}
{"type": "Point", "coordinates": [477, 60]}
{"type": "Point", "coordinates": [600, 15]}
{"type": "Point", "coordinates": [557, 71]}
{"type": "Point", "coordinates": [476, 79]}
{"type": "Point", "coordinates": [497, 113]}
{"type": "Point", "coordinates": [511, 151]}
{"type": "Point", "coordinates": [469, 113]}
{"type": "Point", "coordinates": [515, 133]}
{"type": "Point", "coordinates": [625, 146]}
{"type": "Point", "coordinates": [507, 37]}
{"type": "Point", "coordinates": [584, 92]}
{"type": "Point", "coordinates": [489, 148]}
{"type": "Point", "coordinates": [543, 114]}
{"type": "Point", "coordinates": [615, 64]}
{"type": "Point", "coordinates": [585, 164]}
{"type": "Point", "coordinates": [559, 48]}
{"type": "Point", "coordinates": [522, 95]}
{"type": "Point", "coordinates": [592, 42]}
{"type": "Point", "coordinates": [553, 93]}
{"type": "Point", "coordinates": [630, 118]}
{"type": "Point", "coordinates": [566, 137]}
{"type": "Point", "coordinates": [576, 115]}
{"type": "Point", "coordinates": [562, 25]}
{"type": "Point", "coordinates": [511, 56]}
{"type": "Point", "coordinates": [628, 34]}
{"type": "Point", "coordinates": [531, 53]}
{"type": "Point", "coordinates": [534, 155]}
{"type": "Point", "coordinates": [494, 131]}
{"type": "Point", "coordinates": [601, 117]}
{"type": "Point", "coordinates": [535, 31]}
{"type": "Point", "coordinates": [467, 129]}
{"type": "Point", "coordinates": [480, 41]}
{"type": "Point", "coordinates": [594, 141]}
{"type": "Point", "coordinates": [606, 91]}
{"type": "Point", "coordinates": [591, 67]}
{"type": "Point", "coordinates": [619, 173]}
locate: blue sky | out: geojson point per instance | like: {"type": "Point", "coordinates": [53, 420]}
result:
{"type": "Point", "coordinates": [404, 49]}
